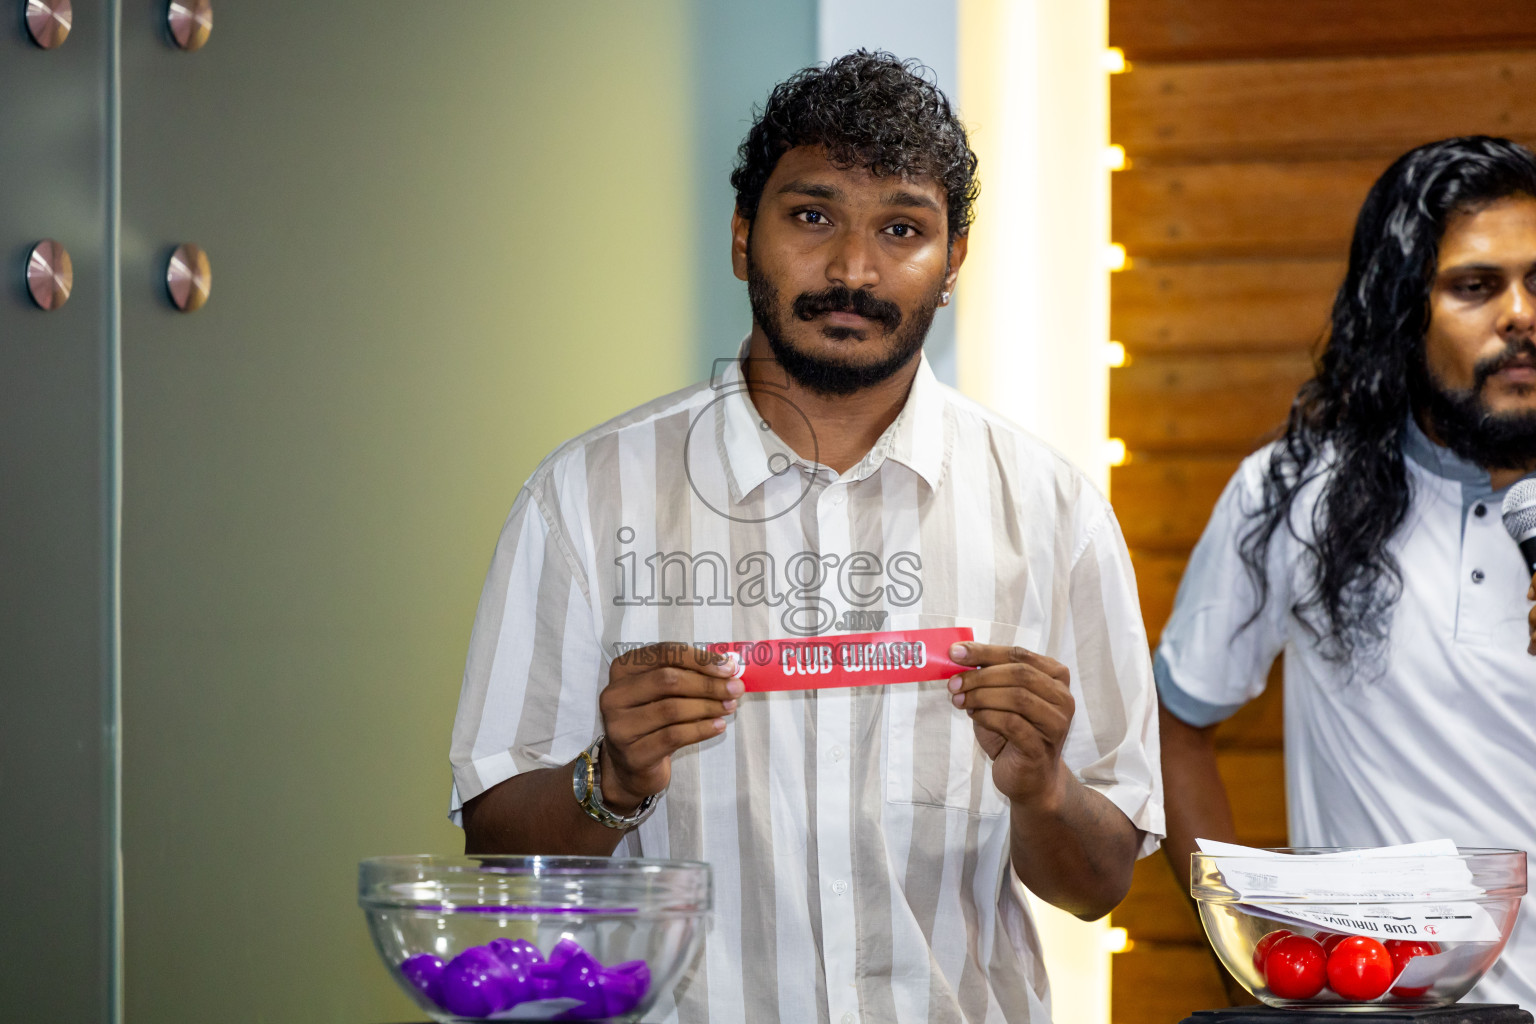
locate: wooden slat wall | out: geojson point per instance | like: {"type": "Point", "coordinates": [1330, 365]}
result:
{"type": "Point", "coordinates": [1215, 211]}
{"type": "Point", "coordinates": [1198, 30]}
{"type": "Point", "coordinates": [1253, 129]}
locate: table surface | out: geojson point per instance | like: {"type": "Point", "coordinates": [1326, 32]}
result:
{"type": "Point", "coordinates": [1462, 1013]}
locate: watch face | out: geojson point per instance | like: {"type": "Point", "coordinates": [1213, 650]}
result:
{"type": "Point", "coordinates": [579, 780]}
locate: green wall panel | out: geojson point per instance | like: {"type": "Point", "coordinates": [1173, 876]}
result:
{"type": "Point", "coordinates": [442, 243]}
{"type": "Point", "coordinates": [443, 240]}
{"type": "Point", "coordinates": [57, 629]}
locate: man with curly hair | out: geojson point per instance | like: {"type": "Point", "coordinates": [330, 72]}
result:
{"type": "Point", "coordinates": [1366, 544]}
{"type": "Point", "coordinates": [870, 845]}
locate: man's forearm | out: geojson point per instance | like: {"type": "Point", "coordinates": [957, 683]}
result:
{"type": "Point", "coordinates": [1197, 804]}
{"type": "Point", "coordinates": [1197, 808]}
{"type": "Point", "coordinates": [1075, 852]}
{"type": "Point", "coordinates": [535, 813]}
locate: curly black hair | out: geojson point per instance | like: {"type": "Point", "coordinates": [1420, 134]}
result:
{"type": "Point", "coordinates": [1347, 424]}
{"type": "Point", "coordinates": [866, 110]}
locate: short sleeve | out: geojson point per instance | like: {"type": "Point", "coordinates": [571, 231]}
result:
{"type": "Point", "coordinates": [1211, 660]}
{"type": "Point", "coordinates": [1113, 744]}
{"type": "Point", "coordinates": [531, 681]}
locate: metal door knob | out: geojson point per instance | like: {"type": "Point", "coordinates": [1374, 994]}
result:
{"type": "Point", "coordinates": [50, 274]}
{"type": "Point", "coordinates": [189, 278]}
{"type": "Point", "coordinates": [191, 22]}
{"type": "Point", "coordinates": [48, 22]}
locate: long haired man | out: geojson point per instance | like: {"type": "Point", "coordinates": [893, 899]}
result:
{"type": "Point", "coordinates": [1366, 545]}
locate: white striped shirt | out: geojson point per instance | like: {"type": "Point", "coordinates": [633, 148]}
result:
{"type": "Point", "coordinates": [860, 849]}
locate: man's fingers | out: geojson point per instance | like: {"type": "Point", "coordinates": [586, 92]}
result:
{"type": "Point", "coordinates": [1014, 729]}
{"type": "Point", "coordinates": [1530, 595]}
{"type": "Point", "coordinates": [1051, 721]}
{"type": "Point", "coordinates": [650, 749]}
{"type": "Point", "coordinates": [979, 655]}
{"type": "Point", "coordinates": [667, 682]}
{"type": "Point", "coordinates": [676, 655]}
{"type": "Point", "coordinates": [992, 743]}
{"type": "Point", "coordinates": [631, 727]}
{"type": "Point", "coordinates": [1021, 700]}
{"type": "Point", "coordinates": [1053, 689]}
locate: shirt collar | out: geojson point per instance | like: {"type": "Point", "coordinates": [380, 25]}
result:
{"type": "Point", "coordinates": [1443, 462]}
{"type": "Point", "coordinates": [916, 438]}
{"type": "Point", "coordinates": [751, 452]}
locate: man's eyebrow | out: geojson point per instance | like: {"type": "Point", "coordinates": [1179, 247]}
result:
{"type": "Point", "coordinates": [812, 189]}
{"type": "Point", "coordinates": [901, 197]}
{"type": "Point", "coordinates": [1471, 266]}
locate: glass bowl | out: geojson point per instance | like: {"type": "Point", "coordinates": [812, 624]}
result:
{"type": "Point", "coordinates": [1400, 932]}
{"type": "Point", "coordinates": [535, 938]}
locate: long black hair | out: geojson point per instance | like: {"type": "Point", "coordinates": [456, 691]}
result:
{"type": "Point", "coordinates": [1347, 424]}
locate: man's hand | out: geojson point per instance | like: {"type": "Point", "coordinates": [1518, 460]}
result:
{"type": "Point", "coordinates": [1069, 844]}
{"type": "Point", "coordinates": [1021, 706]}
{"type": "Point", "coordinates": [1530, 595]}
{"type": "Point", "coordinates": [658, 700]}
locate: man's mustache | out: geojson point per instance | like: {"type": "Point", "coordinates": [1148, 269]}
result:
{"type": "Point", "coordinates": [839, 299]}
{"type": "Point", "coordinates": [1516, 351]}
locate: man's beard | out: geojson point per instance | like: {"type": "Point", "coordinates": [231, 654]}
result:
{"type": "Point", "coordinates": [1466, 425]}
{"type": "Point", "coordinates": [835, 376]}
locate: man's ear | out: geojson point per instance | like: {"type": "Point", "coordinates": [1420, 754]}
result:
{"type": "Point", "coordinates": [741, 230]}
{"type": "Point", "coordinates": [958, 247]}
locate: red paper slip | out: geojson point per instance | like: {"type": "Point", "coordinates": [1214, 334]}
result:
{"type": "Point", "coordinates": [849, 659]}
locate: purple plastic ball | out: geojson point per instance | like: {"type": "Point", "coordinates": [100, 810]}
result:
{"type": "Point", "coordinates": [546, 980]}
{"type": "Point", "coordinates": [424, 971]}
{"type": "Point", "coordinates": [581, 978]}
{"type": "Point", "coordinates": [517, 951]}
{"type": "Point", "coordinates": [564, 950]}
{"type": "Point", "coordinates": [638, 970]}
{"type": "Point", "coordinates": [478, 983]}
{"type": "Point", "coordinates": [621, 992]}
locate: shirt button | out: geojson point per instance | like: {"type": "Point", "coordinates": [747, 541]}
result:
{"type": "Point", "coordinates": [1480, 511]}
{"type": "Point", "coordinates": [839, 887]}
{"type": "Point", "coordinates": [837, 497]}
{"type": "Point", "coordinates": [846, 1018]}
{"type": "Point", "coordinates": [836, 753]}
{"type": "Point", "coordinates": [1477, 576]}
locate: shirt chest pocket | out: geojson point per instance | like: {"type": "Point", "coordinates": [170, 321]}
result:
{"type": "Point", "coordinates": [932, 757]}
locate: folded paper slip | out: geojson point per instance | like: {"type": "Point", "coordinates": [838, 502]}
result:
{"type": "Point", "coordinates": [849, 659]}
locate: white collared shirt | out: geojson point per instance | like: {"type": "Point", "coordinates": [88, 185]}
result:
{"type": "Point", "coordinates": [1437, 741]}
{"type": "Point", "coordinates": [859, 847]}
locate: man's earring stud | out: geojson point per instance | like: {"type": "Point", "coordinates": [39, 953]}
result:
{"type": "Point", "coordinates": [943, 298]}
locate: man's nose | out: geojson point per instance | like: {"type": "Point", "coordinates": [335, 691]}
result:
{"type": "Point", "coordinates": [1518, 318]}
{"type": "Point", "coordinates": [853, 263]}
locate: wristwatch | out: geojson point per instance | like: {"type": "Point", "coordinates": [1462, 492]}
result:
{"type": "Point", "coordinates": [587, 783]}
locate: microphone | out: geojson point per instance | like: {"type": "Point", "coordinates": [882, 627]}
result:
{"type": "Point", "coordinates": [1520, 519]}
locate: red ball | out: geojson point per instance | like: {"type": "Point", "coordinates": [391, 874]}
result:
{"type": "Point", "coordinates": [1261, 948]}
{"type": "Point", "coordinates": [1403, 950]}
{"type": "Point", "coordinates": [1329, 940]}
{"type": "Point", "coordinates": [1295, 968]}
{"type": "Point", "coordinates": [1360, 968]}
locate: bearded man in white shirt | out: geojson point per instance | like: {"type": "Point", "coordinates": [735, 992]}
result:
{"type": "Point", "coordinates": [1367, 545]}
{"type": "Point", "coordinates": [869, 844]}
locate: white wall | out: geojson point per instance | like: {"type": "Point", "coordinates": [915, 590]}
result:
{"type": "Point", "coordinates": [1032, 332]}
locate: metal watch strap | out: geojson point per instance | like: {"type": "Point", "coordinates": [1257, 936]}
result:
{"type": "Point", "coordinates": [587, 783]}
